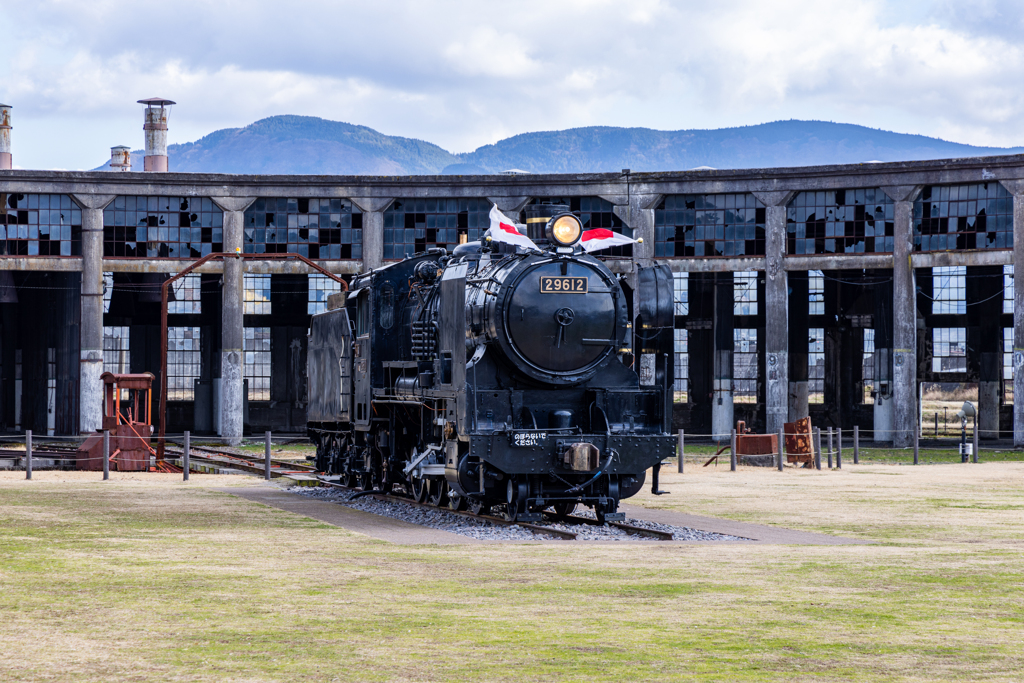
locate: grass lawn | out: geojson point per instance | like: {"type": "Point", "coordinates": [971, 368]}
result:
{"type": "Point", "coordinates": [146, 578]}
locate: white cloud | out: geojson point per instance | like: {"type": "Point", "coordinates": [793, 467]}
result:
{"type": "Point", "coordinates": [462, 74]}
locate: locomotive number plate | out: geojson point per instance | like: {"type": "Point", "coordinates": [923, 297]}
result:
{"type": "Point", "coordinates": [563, 285]}
{"type": "Point", "coordinates": [527, 439]}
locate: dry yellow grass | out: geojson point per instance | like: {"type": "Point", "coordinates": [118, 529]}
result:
{"type": "Point", "coordinates": [147, 578]}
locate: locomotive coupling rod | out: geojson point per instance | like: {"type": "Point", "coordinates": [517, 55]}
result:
{"type": "Point", "coordinates": [420, 458]}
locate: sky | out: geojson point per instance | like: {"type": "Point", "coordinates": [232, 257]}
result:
{"type": "Point", "coordinates": [462, 74]}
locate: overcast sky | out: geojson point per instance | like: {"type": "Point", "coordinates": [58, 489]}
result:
{"type": "Point", "coordinates": [462, 74]}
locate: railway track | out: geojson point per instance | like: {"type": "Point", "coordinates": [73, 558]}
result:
{"type": "Point", "coordinates": [238, 460]}
{"type": "Point", "coordinates": [536, 528]}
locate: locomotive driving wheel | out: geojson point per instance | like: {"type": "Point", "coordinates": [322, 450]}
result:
{"type": "Point", "coordinates": [455, 501]}
{"type": "Point", "coordinates": [437, 494]}
{"type": "Point", "coordinates": [418, 488]}
{"type": "Point", "coordinates": [516, 493]}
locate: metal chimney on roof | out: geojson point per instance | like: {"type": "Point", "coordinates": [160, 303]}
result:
{"type": "Point", "coordinates": [5, 137]}
{"type": "Point", "coordinates": [156, 134]}
{"type": "Point", "coordinates": [121, 158]}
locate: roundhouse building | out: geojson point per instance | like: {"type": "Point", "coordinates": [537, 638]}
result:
{"type": "Point", "coordinates": [833, 290]}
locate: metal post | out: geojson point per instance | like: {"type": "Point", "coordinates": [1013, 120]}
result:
{"type": "Point", "coordinates": [186, 452]}
{"type": "Point", "coordinates": [28, 453]}
{"type": "Point", "coordinates": [916, 460]}
{"type": "Point", "coordinates": [782, 447]}
{"type": "Point", "coordinates": [681, 450]}
{"type": "Point", "coordinates": [974, 451]}
{"type": "Point", "coordinates": [732, 452]}
{"type": "Point", "coordinates": [817, 448]}
{"type": "Point", "coordinates": [830, 448]}
{"type": "Point", "coordinates": [839, 448]}
{"type": "Point", "coordinates": [106, 454]}
{"type": "Point", "coordinates": [856, 444]}
{"type": "Point", "coordinates": [266, 461]}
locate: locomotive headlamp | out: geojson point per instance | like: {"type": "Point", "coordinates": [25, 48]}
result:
{"type": "Point", "coordinates": [564, 230]}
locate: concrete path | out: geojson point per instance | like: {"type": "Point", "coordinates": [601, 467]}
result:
{"type": "Point", "coordinates": [405, 533]}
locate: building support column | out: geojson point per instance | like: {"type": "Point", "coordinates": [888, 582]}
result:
{"type": "Point", "coordinates": [373, 229]}
{"type": "Point", "coordinates": [90, 386]}
{"type": "Point", "coordinates": [776, 294]}
{"type": "Point", "coordinates": [1017, 188]}
{"type": "Point", "coordinates": [984, 342]}
{"type": "Point", "coordinates": [904, 360]}
{"type": "Point", "coordinates": [232, 399]}
{"type": "Point", "coordinates": [799, 333]}
{"type": "Point", "coordinates": [722, 421]}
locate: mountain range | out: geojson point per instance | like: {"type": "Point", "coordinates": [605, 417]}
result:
{"type": "Point", "coordinates": [310, 145]}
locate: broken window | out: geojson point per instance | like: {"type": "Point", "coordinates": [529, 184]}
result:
{"type": "Point", "coordinates": [744, 365]}
{"type": "Point", "coordinates": [415, 225]}
{"type": "Point", "coordinates": [162, 227]}
{"type": "Point", "coordinates": [1008, 289]}
{"type": "Point", "coordinates": [681, 293]}
{"type": "Point", "coordinates": [183, 362]}
{"type": "Point", "coordinates": [868, 364]}
{"type": "Point", "coordinates": [816, 365]}
{"type": "Point", "coordinates": [256, 295]}
{"type": "Point", "coordinates": [108, 290]}
{"type": "Point", "coordinates": [39, 225]}
{"type": "Point", "coordinates": [186, 295]}
{"type": "Point", "coordinates": [1007, 365]}
{"type": "Point", "coordinates": [256, 348]}
{"type": "Point", "coordinates": [709, 225]}
{"type": "Point", "coordinates": [949, 349]}
{"type": "Point", "coordinates": [975, 216]}
{"type": "Point", "coordinates": [320, 287]}
{"type": "Point", "coordinates": [116, 350]}
{"type": "Point", "coordinates": [815, 292]}
{"type": "Point", "coordinates": [949, 290]}
{"type": "Point", "coordinates": [744, 293]}
{"type": "Point", "coordinates": [840, 222]}
{"type": "Point", "coordinates": [682, 364]}
{"type": "Point", "coordinates": [314, 228]}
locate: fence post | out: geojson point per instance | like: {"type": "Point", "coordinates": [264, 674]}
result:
{"type": "Point", "coordinates": [266, 461]}
{"type": "Point", "coordinates": [916, 459]}
{"type": "Point", "coordinates": [28, 453]}
{"type": "Point", "coordinates": [106, 454]}
{"type": "Point", "coordinates": [732, 452]}
{"type": "Point", "coordinates": [856, 444]}
{"type": "Point", "coordinates": [186, 451]}
{"type": "Point", "coordinates": [830, 448]}
{"type": "Point", "coordinates": [681, 450]}
{"type": "Point", "coordinates": [782, 447]}
{"type": "Point", "coordinates": [974, 453]}
{"type": "Point", "coordinates": [839, 448]}
{"type": "Point", "coordinates": [816, 445]}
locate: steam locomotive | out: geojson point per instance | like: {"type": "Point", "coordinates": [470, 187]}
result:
{"type": "Point", "coordinates": [496, 378]}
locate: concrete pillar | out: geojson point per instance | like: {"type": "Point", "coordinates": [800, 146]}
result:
{"type": "Point", "coordinates": [232, 400]}
{"type": "Point", "coordinates": [510, 206]}
{"type": "Point", "coordinates": [5, 137]}
{"type": "Point", "coordinates": [904, 359]}
{"type": "Point", "coordinates": [373, 229]}
{"type": "Point", "coordinates": [722, 421]}
{"type": "Point", "coordinates": [776, 295]}
{"type": "Point", "coordinates": [90, 387]}
{"type": "Point", "coordinates": [799, 331]}
{"type": "Point", "coordinates": [1018, 310]}
{"type": "Point", "coordinates": [636, 209]}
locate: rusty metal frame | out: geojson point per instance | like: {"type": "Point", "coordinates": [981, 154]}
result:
{"type": "Point", "coordinates": [163, 318]}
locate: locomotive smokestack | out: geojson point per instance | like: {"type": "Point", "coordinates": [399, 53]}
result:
{"type": "Point", "coordinates": [5, 137]}
{"type": "Point", "coordinates": [157, 110]}
{"type": "Point", "coordinates": [121, 158]}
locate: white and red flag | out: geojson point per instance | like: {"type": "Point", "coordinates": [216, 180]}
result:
{"type": "Point", "coordinates": [602, 238]}
{"type": "Point", "coordinates": [504, 230]}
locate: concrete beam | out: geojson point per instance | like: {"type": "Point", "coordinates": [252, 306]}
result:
{"type": "Point", "coordinates": [837, 262]}
{"type": "Point", "coordinates": [715, 265]}
{"type": "Point", "coordinates": [57, 264]}
{"type": "Point", "coordinates": [292, 267]}
{"type": "Point", "coordinates": [979, 257]}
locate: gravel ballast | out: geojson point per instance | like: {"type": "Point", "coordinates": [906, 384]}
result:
{"type": "Point", "coordinates": [485, 530]}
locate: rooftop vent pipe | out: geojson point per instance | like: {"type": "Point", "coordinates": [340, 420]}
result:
{"type": "Point", "coordinates": [156, 134]}
{"type": "Point", "coordinates": [5, 137]}
{"type": "Point", "coordinates": [121, 158]}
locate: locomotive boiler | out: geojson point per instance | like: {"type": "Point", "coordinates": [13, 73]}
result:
{"type": "Point", "coordinates": [497, 378]}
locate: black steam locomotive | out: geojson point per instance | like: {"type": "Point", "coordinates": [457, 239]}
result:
{"type": "Point", "coordinates": [497, 379]}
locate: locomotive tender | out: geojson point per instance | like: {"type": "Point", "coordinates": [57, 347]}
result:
{"type": "Point", "coordinates": [496, 378]}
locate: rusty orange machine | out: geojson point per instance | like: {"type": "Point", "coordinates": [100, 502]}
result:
{"type": "Point", "coordinates": [754, 444]}
{"type": "Point", "coordinates": [128, 415]}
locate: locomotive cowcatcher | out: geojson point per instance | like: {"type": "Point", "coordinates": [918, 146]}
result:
{"type": "Point", "coordinates": [497, 378]}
